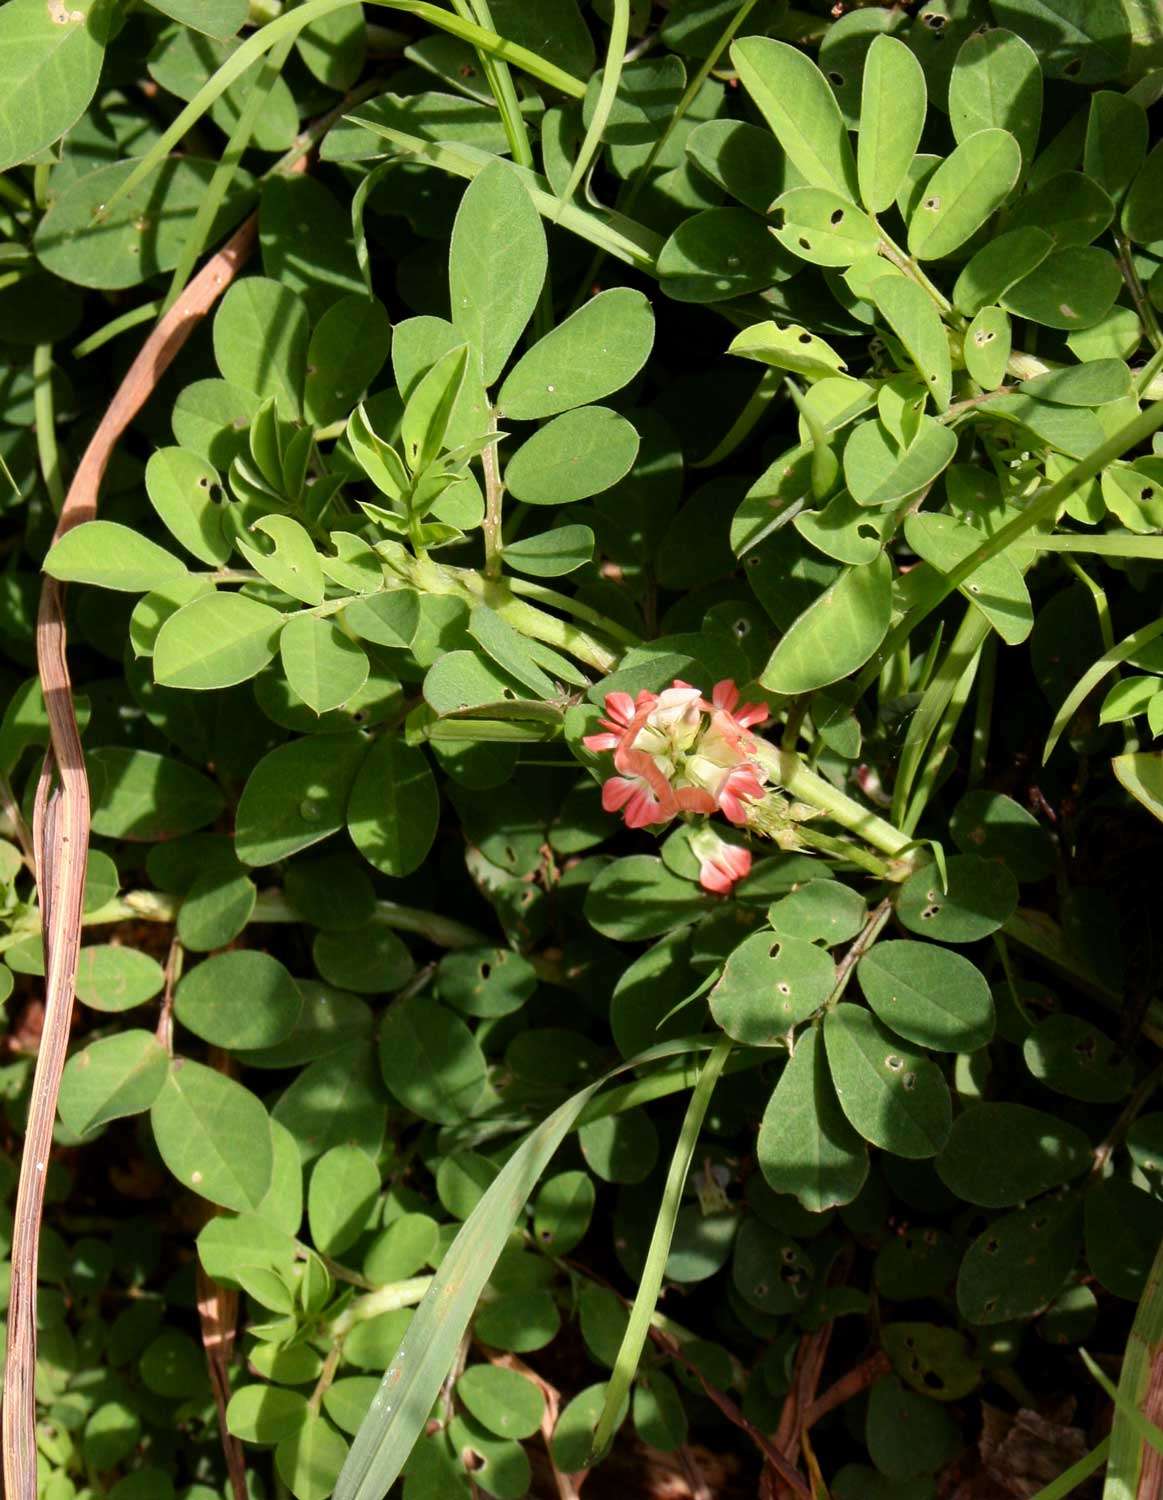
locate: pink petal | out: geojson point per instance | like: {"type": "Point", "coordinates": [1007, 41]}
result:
{"type": "Point", "coordinates": [725, 695]}
{"type": "Point", "coordinates": [617, 792]}
{"type": "Point", "coordinates": [600, 742]}
{"type": "Point", "coordinates": [713, 878]}
{"type": "Point", "coordinates": [620, 707]}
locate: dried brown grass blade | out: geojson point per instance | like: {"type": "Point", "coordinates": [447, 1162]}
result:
{"type": "Point", "coordinates": [61, 836]}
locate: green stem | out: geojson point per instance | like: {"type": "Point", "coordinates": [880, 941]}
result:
{"type": "Point", "coordinates": [650, 1283]}
{"type": "Point", "coordinates": [788, 771]}
{"type": "Point", "coordinates": [494, 498]}
{"type": "Point", "coordinates": [529, 590]}
{"type": "Point", "coordinates": [387, 1299]}
{"type": "Point", "coordinates": [1044, 507]}
{"type": "Point", "coordinates": [46, 427]}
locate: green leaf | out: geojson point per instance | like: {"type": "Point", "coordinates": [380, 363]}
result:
{"type": "Point", "coordinates": [324, 666]}
{"type": "Point", "coordinates": [261, 341]}
{"type": "Point", "coordinates": [309, 1460]}
{"type": "Point", "coordinates": [976, 897]}
{"type": "Point", "coordinates": [892, 1094]}
{"type": "Point", "coordinates": [551, 554]}
{"type": "Point", "coordinates": [215, 641]}
{"type": "Point", "coordinates": [1106, 663]}
{"type": "Point", "coordinates": [345, 1184]}
{"type": "Point", "coordinates": [578, 454]}
{"type": "Point", "coordinates": [112, 556]}
{"type": "Point", "coordinates": [821, 227]}
{"type": "Point", "coordinates": [348, 348]}
{"type": "Point", "coordinates": [296, 795]}
{"type": "Point", "coordinates": [139, 795]}
{"type": "Point", "coordinates": [1074, 1058]}
{"type": "Point", "coordinates": [638, 898]}
{"type": "Point", "coordinates": [913, 317]}
{"type": "Point", "coordinates": [292, 564]}
{"type": "Point", "coordinates": [265, 1413]}
{"type": "Point", "coordinates": [928, 995]}
{"type": "Point", "coordinates": [997, 588]}
{"type": "Point", "coordinates": [996, 827]}
{"type": "Point", "coordinates": [1141, 774]}
{"type": "Point", "coordinates": [1142, 216]}
{"type": "Point", "coordinates": [215, 909]}
{"type": "Point", "coordinates": [806, 1145]}
{"type": "Point", "coordinates": [1116, 140]}
{"type": "Point", "coordinates": [769, 985]}
{"type": "Point", "coordinates": [1000, 263]}
{"type": "Point", "coordinates": [1124, 1227]}
{"type": "Point", "coordinates": [836, 634]}
{"type": "Point", "coordinates": [1072, 288]}
{"type": "Point", "coordinates": [1071, 207]}
{"type": "Point", "coordinates": [213, 1135]}
{"type": "Point", "coordinates": [879, 472]}
{"type": "Point", "coordinates": [507, 1403]}
{"type": "Point", "coordinates": [1019, 1263]}
{"type": "Point", "coordinates": [907, 1435]}
{"type": "Point", "coordinates": [429, 408]}
{"type": "Point", "coordinates": [720, 253]}
{"type": "Point", "coordinates": [820, 911]}
{"type": "Point", "coordinates": [997, 82]}
{"type": "Point", "coordinates": [562, 1212]}
{"type": "Point", "coordinates": [238, 1000]}
{"type": "Point", "coordinates": [792, 348]}
{"type": "Point", "coordinates": [797, 102]}
{"type": "Point", "coordinates": [893, 104]}
{"type": "Point", "coordinates": [596, 351]}
{"type": "Point", "coordinates": [114, 978]}
{"type": "Point", "coordinates": [1001, 1154]}
{"type": "Point", "coordinates": [496, 266]}
{"type": "Point", "coordinates": [379, 963]}
{"type": "Point", "coordinates": [969, 185]}
{"type": "Point", "coordinates": [431, 1061]}
{"type": "Point", "coordinates": [183, 489]}
{"type": "Point", "coordinates": [741, 158]}
{"type": "Point", "coordinates": [394, 807]}
{"type": "Point", "coordinates": [130, 240]}
{"type": "Point", "coordinates": [1084, 41]}
{"type": "Point", "coordinates": [215, 18]}
{"type": "Point", "coordinates": [987, 347]}
{"type": "Point", "coordinates": [111, 1078]}
{"type": "Point", "coordinates": [50, 61]}
{"type": "Point", "coordinates": [337, 1100]}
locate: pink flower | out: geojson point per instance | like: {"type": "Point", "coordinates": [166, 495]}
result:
{"type": "Point", "coordinates": [726, 695]}
{"type": "Point", "coordinates": [675, 752]}
{"type": "Point", "coordinates": [721, 865]}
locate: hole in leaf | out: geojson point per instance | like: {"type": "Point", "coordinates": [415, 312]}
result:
{"type": "Point", "coordinates": [894, 1062]}
{"type": "Point", "coordinates": [836, 79]}
{"type": "Point", "coordinates": [933, 203]}
{"type": "Point", "coordinates": [805, 338]}
{"type": "Point", "coordinates": [805, 244]}
{"type": "Point", "coordinates": [1073, 67]}
{"type": "Point", "coordinates": [836, 216]}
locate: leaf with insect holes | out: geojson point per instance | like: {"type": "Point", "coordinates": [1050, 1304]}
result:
{"type": "Point", "coordinates": [890, 1091]}
{"type": "Point", "coordinates": [970, 185]}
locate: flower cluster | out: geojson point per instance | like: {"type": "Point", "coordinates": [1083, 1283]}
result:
{"type": "Point", "coordinates": [675, 752]}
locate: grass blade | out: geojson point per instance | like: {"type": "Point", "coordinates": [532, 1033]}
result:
{"type": "Point", "coordinates": [291, 23]}
{"type": "Point", "coordinates": [611, 78]}
{"type": "Point", "coordinates": [1090, 680]}
{"type": "Point", "coordinates": [1069, 1480]}
{"type": "Point", "coordinates": [1127, 1436]}
{"type": "Point", "coordinates": [413, 1379]}
{"type": "Point", "coordinates": [620, 237]}
{"type": "Point", "coordinates": [638, 1328]}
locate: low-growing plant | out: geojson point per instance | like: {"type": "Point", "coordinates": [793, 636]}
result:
{"type": "Point", "coordinates": [615, 653]}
